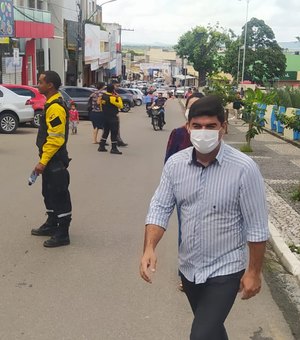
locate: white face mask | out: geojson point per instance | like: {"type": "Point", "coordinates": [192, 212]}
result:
{"type": "Point", "coordinates": [187, 111]}
{"type": "Point", "coordinates": [205, 141]}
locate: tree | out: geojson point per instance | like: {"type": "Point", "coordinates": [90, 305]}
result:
{"type": "Point", "coordinates": [253, 113]}
{"type": "Point", "coordinates": [200, 46]}
{"type": "Point", "coordinates": [264, 59]}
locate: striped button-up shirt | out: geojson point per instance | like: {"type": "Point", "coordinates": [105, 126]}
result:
{"type": "Point", "coordinates": [221, 207]}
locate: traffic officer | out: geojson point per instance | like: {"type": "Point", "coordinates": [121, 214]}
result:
{"type": "Point", "coordinates": [111, 103]}
{"type": "Point", "coordinates": [52, 141]}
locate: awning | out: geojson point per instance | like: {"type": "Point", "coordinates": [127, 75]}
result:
{"type": "Point", "coordinates": [182, 77]}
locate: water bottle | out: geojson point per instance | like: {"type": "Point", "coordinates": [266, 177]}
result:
{"type": "Point", "coordinates": [32, 178]}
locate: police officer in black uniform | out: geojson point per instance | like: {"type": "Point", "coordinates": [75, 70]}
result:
{"type": "Point", "coordinates": [52, 141]}
{"type": "Point", "coordinates": [111, 104]}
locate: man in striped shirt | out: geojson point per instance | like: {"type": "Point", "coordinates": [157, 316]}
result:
{"type": "Point", "coordinates": [220, 194]}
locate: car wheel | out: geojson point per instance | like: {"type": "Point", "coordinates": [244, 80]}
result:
{"type": "Point", "coordinates": [138, 102]}
{"type": "Point", "coordinates": [36, 119]}
{"type": "Point", "coordinates": [126, 107]}
{"type": "Point", "coordinates": [8, 122]}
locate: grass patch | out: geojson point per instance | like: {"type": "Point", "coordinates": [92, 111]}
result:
{"type": "Point", "coordinates": [246, 148]}
{"type": "Point", "coordinates": [296, 194]}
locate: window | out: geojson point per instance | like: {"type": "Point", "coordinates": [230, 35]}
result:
{"type": "Point", "coordinates": [78, 92]}
{"type": "Point", "coordinates": [22, 92]}
{"type": "Point", "coordinates": [39, 4]}
{"type": "Point", "coordinates": [1, 93]}
{"type": "Point", "coordinates": [31, 3]}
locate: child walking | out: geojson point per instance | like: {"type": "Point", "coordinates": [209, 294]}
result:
{"type": "Point", "coordinates": [74, 118]}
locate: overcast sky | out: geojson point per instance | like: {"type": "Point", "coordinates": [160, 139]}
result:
{"type": "Point", "coordinates": [166, 20]}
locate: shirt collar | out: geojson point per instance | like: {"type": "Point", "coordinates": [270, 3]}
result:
{"type": "Point", "coordinates": [219, 158]}
{"type": "Point", "coordinates": [55, 96]}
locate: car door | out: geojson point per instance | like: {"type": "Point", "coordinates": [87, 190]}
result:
{"type": "Point", "coordinates": [80, 96]}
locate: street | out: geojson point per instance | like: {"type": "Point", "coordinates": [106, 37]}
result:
{"type": "Point", "coordinates": [92, 289]}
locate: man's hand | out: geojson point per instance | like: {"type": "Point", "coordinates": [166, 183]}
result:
{"type": "Point", "coordinates": [250, 284]}
{"type": "Point", "coordinates": [39, 168]}
{"type": "Point", "coordinates": [148, 265]}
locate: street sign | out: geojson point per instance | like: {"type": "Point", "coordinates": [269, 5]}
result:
{"type": "Point", "coordinates": [16, 56]}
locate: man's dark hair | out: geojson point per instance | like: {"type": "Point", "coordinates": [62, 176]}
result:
{"type": "Point", "coordinates": [208, 106]}
{"type": "Point", "coordinates": [52, 77]}
{"type": "Point", "coordinates": [194, 95]}
{"type": "Point", "coordinates": [110, 88]}
{"type": "Point", "coordinates": [100, 85]}
{"type": "Point", "coordinates": [115, 81]}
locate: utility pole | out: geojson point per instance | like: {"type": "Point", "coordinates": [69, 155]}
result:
{"type": "Point", "coordinates": [120, 33]}
{"type": "Point", "coordinates": [80, 43]}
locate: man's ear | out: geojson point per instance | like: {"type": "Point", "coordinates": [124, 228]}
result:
{"type": "Point", "coordinates": [224, 129]}
{"type": "Point", "coordinates": [187, 126]}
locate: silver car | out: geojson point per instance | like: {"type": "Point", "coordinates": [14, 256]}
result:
{"type": "Point", "coordinates": [14, 110]}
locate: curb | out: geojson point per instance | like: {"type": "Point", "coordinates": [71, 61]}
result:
{"type": "Point", "coordinates": [273, 133]}
{"type": "Point", "coordinates": [286, 257]}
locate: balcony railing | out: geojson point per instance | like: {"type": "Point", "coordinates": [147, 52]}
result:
{"type": "Point", "coordinates": [30, 14]}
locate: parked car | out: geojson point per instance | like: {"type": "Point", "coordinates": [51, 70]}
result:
{"type": "Point", "coordinates": [180, 91]}
{"type": "Point", "coordinates": [38, 100]}
{"type": "Point", "coordinates": [14, 109]}
{"type": "Point", "coordinates": [127, 99]}
{"type": "Point", "coordinates": [137, 96]}
{"type": "Point", "coordinates": [80, 96]}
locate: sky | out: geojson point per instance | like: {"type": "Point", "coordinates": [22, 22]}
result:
{"type": "Point", "coordinates": [164, 21]}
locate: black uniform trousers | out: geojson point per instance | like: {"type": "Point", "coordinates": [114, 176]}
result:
{"type": "Point", "coordinates": [111, 125]}
{"type": "Point", "coordinates": [211, 303]}
{"type": "Point", "coordinates": [55, 189]}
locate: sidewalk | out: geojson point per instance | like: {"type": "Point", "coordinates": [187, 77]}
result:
{"type": "Point", "coordinates": [279, 162]}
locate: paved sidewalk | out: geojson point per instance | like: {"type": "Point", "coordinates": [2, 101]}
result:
{"type": "Point", "coordinates": [279, 162]}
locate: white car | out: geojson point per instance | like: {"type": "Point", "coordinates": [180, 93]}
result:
{"type": "Point", "coordinates": [138, 96]}
{"type": "Point", "coordinates": [14, 109]}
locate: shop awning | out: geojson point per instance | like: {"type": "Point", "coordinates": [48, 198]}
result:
{"type": "Point", "coordinates": [182, 77]}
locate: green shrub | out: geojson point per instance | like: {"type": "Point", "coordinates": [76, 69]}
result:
{"type": "Point", "coordinates": [283, 98]}
{"type": "Point", "coordinates": [246, 148]}
{"type": "Point", "coordinates": [295, 97]}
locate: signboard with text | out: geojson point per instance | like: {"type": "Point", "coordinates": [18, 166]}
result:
{"type": "Point", "coordinates": [6, 19]}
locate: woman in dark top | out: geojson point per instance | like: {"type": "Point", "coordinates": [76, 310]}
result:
{"type": "Point", "coordinates": [179, 138]}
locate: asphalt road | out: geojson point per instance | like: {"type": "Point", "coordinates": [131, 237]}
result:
{"type": "Point", "coordinates": [92, 289]}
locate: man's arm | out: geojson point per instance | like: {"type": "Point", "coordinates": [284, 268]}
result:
{"type": "Point", "coordinates": [251, 280]}
{"type": "Point", "coordinates": [153, 234]}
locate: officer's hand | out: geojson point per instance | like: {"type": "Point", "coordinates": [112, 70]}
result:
{"type": "Point", "coordinates": [39, 168]}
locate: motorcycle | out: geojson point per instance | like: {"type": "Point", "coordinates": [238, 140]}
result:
{"type": "Point", "coordinates": [148, 109]}
{"type": "Point", "coordinates": [156, 117]}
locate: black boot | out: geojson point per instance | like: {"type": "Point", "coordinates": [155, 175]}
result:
{"type": "Point", "coordinates": [102, 145]}
{"type": "Point", "coordinates": [121, 143]}
{"type": "Point", "coordinates": [61, 237]}
{"type": "Point", "coordinates": [48, 228]}
{"type": "Point", "coordinates": [114, 149]}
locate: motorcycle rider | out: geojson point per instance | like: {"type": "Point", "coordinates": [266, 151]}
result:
{"type": "Point", "coordinates": [149, 101]}
{"type": "Point", "coordinates": [160, 102]}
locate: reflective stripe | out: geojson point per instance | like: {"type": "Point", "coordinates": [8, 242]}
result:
{"type": "Point", "coordinates": [64, 215]}
{"type": "Point", "coordinates": [56, 135]}
{"type": "Point", "coordinates": [49, 210]}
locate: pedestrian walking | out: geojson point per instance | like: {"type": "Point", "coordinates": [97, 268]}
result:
{"type": "Point", "coordinates": [95, 110]}
{"type": "Point", "coordinates": [111, 103]}
{"type": "Point", "coordinates": [74, 118]}
{"type": "Point", "coordinates": [52, 141]}
{"type": "Point", "coordinates": [179, 139]}
{"type": "Point", "coordinates": [237, 105]}
{"type": "Point", "coordinates": [220, 194]}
